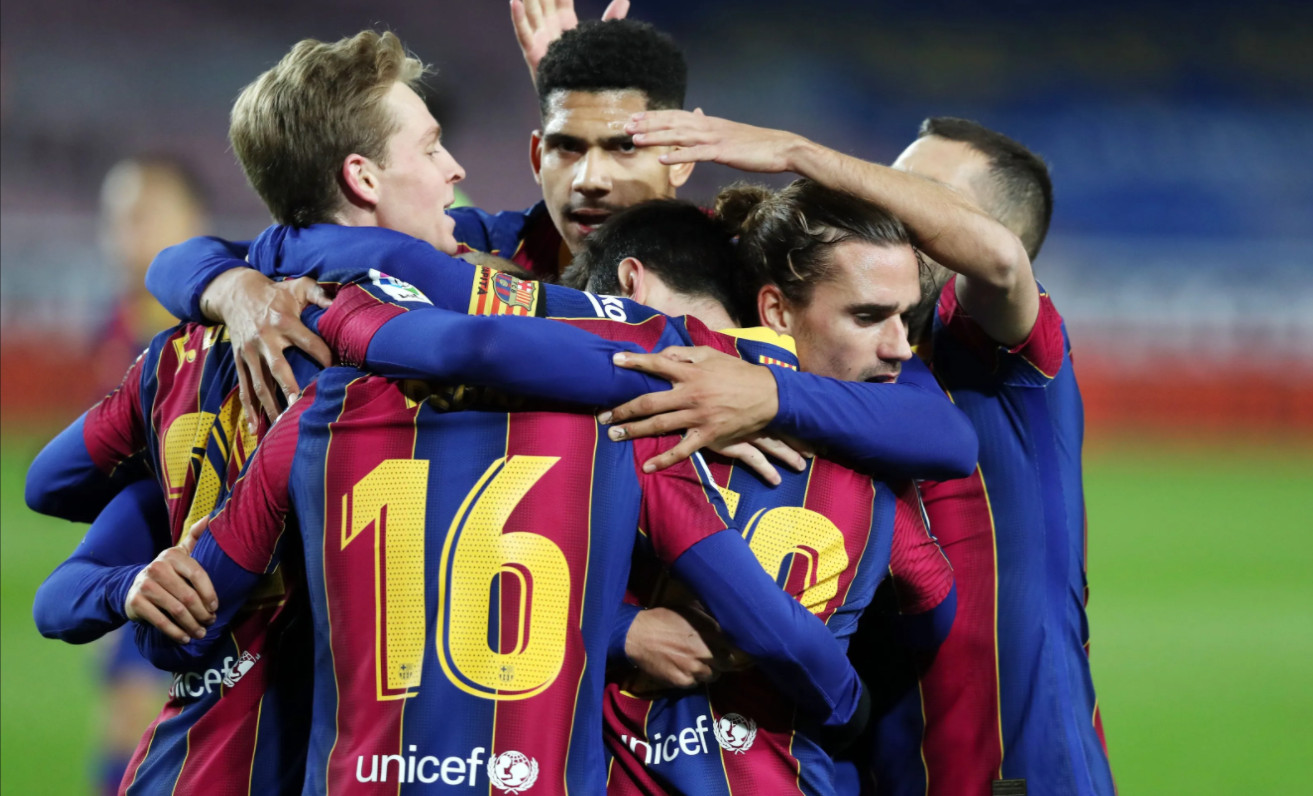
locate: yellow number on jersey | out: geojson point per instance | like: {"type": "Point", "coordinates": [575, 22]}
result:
{"type": "Point", "coordinates": [476, 550]}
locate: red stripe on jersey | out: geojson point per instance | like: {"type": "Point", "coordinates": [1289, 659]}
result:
{"type": "Point", "coordinates": [963, 741]}
{"type": "Point", "coordinates": [753, 727]}
{"type": "Point", "coordinates": [114, 430]}
{"type": "Point", "coordinates": [625, 728]}
{"type": "Point", "coordinates": [645, 333]}
{"type": "Point", "coordinates": [143, 747]}
{"type": "Point", "coordinates": [847, 499]}
{"type": "Point", "coordinates": [351, 321]}
{"type": "Point", "coordinates": [542, 727]}
{"type": "Point", "coordinates": [921, 575]}
{"type": "Point", "coordinates": [369, 712]}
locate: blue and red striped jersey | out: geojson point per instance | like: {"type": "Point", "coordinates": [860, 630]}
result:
{"type": "Point", "coordinates": [527, 238]}
{"type": "Point", "coordinates": [828, 535]}
{"type": "Point", "coordinates": [464, 571]}
{"type": "Point", "coordinates": [1009, 695]}
{"type": "Point", "coordinates": [235, 724]}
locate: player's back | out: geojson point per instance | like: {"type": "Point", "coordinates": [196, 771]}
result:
{"type": "Point", "coordinates": [824, 534]}
{"type": "Point", "coordinates": [464, 568]}
{"type": "Point", "coordinates": [178, 408]}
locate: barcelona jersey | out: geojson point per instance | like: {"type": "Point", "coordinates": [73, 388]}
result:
{"type": "Point", "coordinates": [527, 238]}
{"type": "Point", "coordinates": [828, 535]}
{"type": "Point", "coordinates": [235, 724]}
{"type": "Point", "coordinates": [464, 571]}
{"type": "Point", "coordinates": [1007, 704]}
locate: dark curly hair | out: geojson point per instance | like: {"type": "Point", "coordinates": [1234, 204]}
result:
{"type": "Point", "coordinates": [615, 55]}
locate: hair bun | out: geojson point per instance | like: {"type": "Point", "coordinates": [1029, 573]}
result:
{"type": "Point", "coordinates": [736, 204]}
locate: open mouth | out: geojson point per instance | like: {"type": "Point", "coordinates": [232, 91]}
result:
{"type": "Point", "coordinates": [883, 378]}
{"type": "Point", "coordinates": [588, 219]}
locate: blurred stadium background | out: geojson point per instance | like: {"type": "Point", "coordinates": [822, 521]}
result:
{"type": "Point", "coordinates": [1181, 254]}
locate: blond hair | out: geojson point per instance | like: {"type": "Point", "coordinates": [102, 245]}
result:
{"type": "Point", "coordinates": [294, 126]}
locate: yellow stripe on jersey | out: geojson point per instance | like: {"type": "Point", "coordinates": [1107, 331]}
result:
{"type": "Point", "coordinates": [763, 334]}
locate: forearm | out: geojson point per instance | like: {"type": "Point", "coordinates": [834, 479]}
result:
{"type": "Point", "coordinates": [944, 224]}
{"type": "Point", "coordinates": [522, 356]}
{"type": "Point", "coordinates": [180, 275]}
{"type": "Point", "coordinates": [793, 647]}
{"type": "Point", "coordinates": [624, 619]}
{"type": "Point", "coordinates": [232, 584]}
{"type": "Point", "coordinates": [84, 597]}
{"type": "Point", "coordinates": [904, 430]}
{"type": "Point", "coordinates": [64, 482]}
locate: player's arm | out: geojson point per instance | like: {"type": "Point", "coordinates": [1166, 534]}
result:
{"type": "Point", "coordinates": [240, 543]}
{"type": "Point", "coordinates": [518, 355]}
{"type": "Point", "coordinates": [79, 471]}
{"type": "Point", "coordinates": [909, 429]}
{"type": "Point", "coordinates": [997, 285]}
{"type": "Point", "coordinates": [920, 575]}
{"type": "Point", "coordinates": [686, 519]}
{"type": "Point", "coordinates": [207, 280]}
{"type": "Point", "coordinates": [84, 597]}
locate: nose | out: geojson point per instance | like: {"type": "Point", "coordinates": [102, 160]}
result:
{"type": "Point", "coordinates": [592, 177]}
{"type": "Point", "coordinates": [457, 171]}
{"type": "Point", "coordinates": [893, 343]}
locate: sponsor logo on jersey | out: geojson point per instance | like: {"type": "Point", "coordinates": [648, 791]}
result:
{"type": "Point", "coordinates": [513, 772]}
{"type": "Point", "coordinates": [735, 733]}
{"type": "Point", "coordinates": [395, 288]}
{"type": "Point", "coordinates": [510, 771]}
{"type": "Point", "coordinates": [194, 685]}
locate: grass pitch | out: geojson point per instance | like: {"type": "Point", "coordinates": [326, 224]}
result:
{"type": "Point", "coordinates": [1201, 615]}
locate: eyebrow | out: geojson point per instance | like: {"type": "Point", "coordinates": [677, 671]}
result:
{"type": "Point", "coordinates": [872, 309]}
{"type": "Point", "coordinates": [433, 136]}
{"type": "Point", "coordinates": [563, 139]}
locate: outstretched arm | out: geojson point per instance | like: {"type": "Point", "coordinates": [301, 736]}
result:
{"type": "Point", "coordinates": [83, 598]}
{"type": "Point", "coordinates": [997, 286]}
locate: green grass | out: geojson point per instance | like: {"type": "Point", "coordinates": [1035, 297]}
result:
{"type": "Point", "coordinates": [1201, 615]}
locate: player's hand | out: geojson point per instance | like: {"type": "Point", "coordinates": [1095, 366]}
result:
{"type": "Point", "coordinates": [538, 23]}
{"type": "Point", "coordinates": [264, 320]}
{"type": "Point", "coordinates": [717, 399]}
{"type": "Point", "coordinates": [679, 647]}
{"type": "Point", "coordinates": [700, 138]}
{"type": "Point", "coordinates": [174, 595]}
{"type": "Point", "coordinates": [753, 451]}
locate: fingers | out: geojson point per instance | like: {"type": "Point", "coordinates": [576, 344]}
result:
{"type": "Point", "coordinates": [660, 365]}
{"type": "Point", "coordinates": [654, 403]}
{"type": "Point", "coordinates": [520, 21]}
{"type": "Point", "coordinates": [753, 459]}
{"type": "Point", "coordinates": [533, 11]}
{"type": "Point", "coordinates": [160, 586]}
{"type": "Point", "coordinates": [315, 294]}
{"type": "Point", "coordinates": [245, 393]}
{"type": "Point", "coordinates": [654, 426]}
{"type": "Point", "coordinates": [261, 381]}
{"type": "Point", "coordinates": [145, 612]}
{"type": "Point", "coordinates": [193, 534]}
{"type": "Point", "coordinates": [692, 442]}
{"type": "Point", "coordinates": [199, 579]}
{"type": "Point", "coordinates": [311, 344]}
{"type": "Point", "coordinates": [618, 9]}
{"type": "Point", "coordinates": [781, 451]}
{"type": "Point", "coordinates": [705, 153]}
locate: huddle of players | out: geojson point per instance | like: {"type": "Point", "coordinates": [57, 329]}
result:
{"type": "Point", "coordinates": [517, 528]}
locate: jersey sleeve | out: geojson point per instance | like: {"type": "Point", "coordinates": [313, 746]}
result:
{"type": "Point", "coordinates": [83, 598]}
{"type": "Point", "coordinates": [86, 464]}
{"type": "Point", "coordinates": [1034, 362]}
{"type": "Point", "coordinates": [519, 355]}
{"type": "Point", "coordinates": [249, 527]}
{"type": "Point", "coordinates": [906, 430]}
{"type": "Point", "coordinates": [681, 505]}
{"type": "Point", "coordinates": [178, 276]}
{"type": "Point", "coordinates": [918, 569]}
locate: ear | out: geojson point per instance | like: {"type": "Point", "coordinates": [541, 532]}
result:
{"type": "Point", "coordinates": [536, 155]}
{"type": "Point", "coordinates": [633, 279]}
{"type": "Point", "coordinates": [360, 181]}
{"type": "Point", "coordinates": [773, 308]}
{"type": "Point", "coordinates": [679, 174]}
